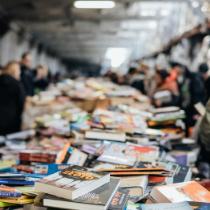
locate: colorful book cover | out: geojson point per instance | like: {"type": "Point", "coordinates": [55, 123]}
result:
{"type": "Point", "coordinates": [120, 199]}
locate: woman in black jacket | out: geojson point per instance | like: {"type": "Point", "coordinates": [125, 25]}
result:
{"type": "Point", "coordinates": [12, 99]}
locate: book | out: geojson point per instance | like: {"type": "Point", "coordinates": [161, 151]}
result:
{"type": "Point", "coordinates": [143, 153]}
{"type": "Point", "coordinates": [199, 205]}
{"type": "Point", "coordinates": [11, 176]}
{"type": "Point", "coordinates": [4, 194]}
{"type": "Point", "coordinates": [200, 108]}
{"type": "Point", "coordinates": [76, 157]}
{"type": "Point", "coordinates": [162, 206]}
{"type": "Point", "coordinates": [165, 109]}
{"type": "Point", "coordinates": [20, 201]}
{"type": "Point", "coordinates": [99, 199]}
{"type": "Point", "coordinates": [12, 182]}
{"type": "Point", "coordinates": [120, 199]}
{"type": "Point", "coordinates": [116, 153]}
{"type": "Point", "coordinates": [180, 173]}
{"type": "Point", "coordinates": [128, 154]}
{"type": "Point", "coordinates": [163, 96]}
{"type": "Point", "coordinates": [187, 191]}
{"type": "Point", "coordinates": [37, 156]}
{"type": "Point", "coordinates": [21, 135]}
{"type": "Point", "coordinates": [149, 132]}
{"type": "Point", "coordinates": [105, 135]}
{"type": "Point", "coordinates": [137, 171]}
{"type": "Point", "coordinates": [135, 184]}
{"type": "Point", "coordinates": [72, 182]}
{"type": "Point", "coordinates": [4, 205]}
{"type": "Point", "coordinates": [6, 191]}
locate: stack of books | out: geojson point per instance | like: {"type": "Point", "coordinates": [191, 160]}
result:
{"type": "Point", "coordinates": [77, 188]}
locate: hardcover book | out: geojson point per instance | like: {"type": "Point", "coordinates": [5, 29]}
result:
{"type": "Point", "coordinates": [98, 199]}
{"type": "Point", "coordinates": [72, 182]}
{"type": "Point", "coordinates": [187, 191]}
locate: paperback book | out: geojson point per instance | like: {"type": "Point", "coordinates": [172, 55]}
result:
{"type": "Point", "coordinates": [99, 199]}
{"type": "Point", "coordinates": [72, 182]}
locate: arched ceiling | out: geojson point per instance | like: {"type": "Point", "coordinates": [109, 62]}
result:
{"type": "Point", "coordinates": [140, 25]}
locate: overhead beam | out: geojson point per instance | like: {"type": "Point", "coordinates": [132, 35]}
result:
{"type": "Point", "coordinates": [89, 18]}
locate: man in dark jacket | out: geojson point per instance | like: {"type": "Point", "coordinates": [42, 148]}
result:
{"type": "Point", "coordinates": [12, 99]}
{"type": "Point", "coordinates": [27, 74]}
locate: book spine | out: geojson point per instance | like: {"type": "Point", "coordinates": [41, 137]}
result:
{"type": "Point", "coordinates": [4, 194]}
{"type": "Point", "coordinates": [16, 182]}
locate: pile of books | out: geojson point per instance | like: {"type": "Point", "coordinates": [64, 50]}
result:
{"type": "Point", "coordinates": [96, 145]}
{"type": "Point", "coordinates": [78, 188]}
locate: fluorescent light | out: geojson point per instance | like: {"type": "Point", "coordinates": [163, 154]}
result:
{"type": "Point", "coordinates": [94, 4]}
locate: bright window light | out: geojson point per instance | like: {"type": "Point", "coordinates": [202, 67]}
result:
{"type": "Point", "coordinates": [117, 56]}
{"type": "Point", "coordinates": [148, 13]}
{"type": "Point", "coordinates": [165, 12]}
{"type": "Point", "coordinates": [94, 4]}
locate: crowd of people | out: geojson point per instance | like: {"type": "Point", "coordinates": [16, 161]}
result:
{"type": "Point", "coordinates": [176, 86]}
{"type": "Point", "coordinates": [18, 80]}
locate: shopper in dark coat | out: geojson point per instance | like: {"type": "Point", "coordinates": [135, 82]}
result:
{"type": "Point", "coordinates": [12, 99]}
{"type": "Point", "coordinates": [41, 81]}
{"type": "Point", "coordinates": [27, 74]}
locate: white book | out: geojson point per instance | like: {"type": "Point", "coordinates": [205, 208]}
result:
{"type": "Point", "coordinates": [72, 182]}
{"type": "Point", "coordinates": [105, 135]}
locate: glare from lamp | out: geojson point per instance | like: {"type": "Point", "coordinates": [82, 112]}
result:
{"type": "Point", "coordinates": [94, 4]}
{"type": "Point", "coordinates": [195, 4]}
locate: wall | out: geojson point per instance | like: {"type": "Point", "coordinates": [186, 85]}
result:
{"type": "Point", "coordinates": [12, 46]}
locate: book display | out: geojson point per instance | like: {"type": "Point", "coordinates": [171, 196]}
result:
{"type": "Point", "coordinates": [116, 156]}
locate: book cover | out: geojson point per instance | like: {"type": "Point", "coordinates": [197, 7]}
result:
{"type": "Point", "coordinates": [97, 199]}
{"type": "Point", "coordinates": [199, 205]}
{"type": "Point", "coordinates": [12, 182]}
{"type": "Point", "coordinates": [187, 191]}
{"type": "Point", "coordinates": [76, 157]}
{"type": "Point", "coordinates": [20, 201]}
{"type": "Point", "coordinates": [72, 182]}
{"type": "Point", "coordinates": [116, 153]}
{"type": "Point", "coordinates": [120, 199]}
{"type": "Point", "coordinates": [6, 191]}
{"type": "Point", "coordinates": [105, 135]}
{"type": "Point", "coordinates": [162, 206]}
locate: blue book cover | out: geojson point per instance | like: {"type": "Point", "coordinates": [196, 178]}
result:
{"type": "Point", "coordinates": [15, 182]}
{"type": "Point", "coordinates": [5, 194]}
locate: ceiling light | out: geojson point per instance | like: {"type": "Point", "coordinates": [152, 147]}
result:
{"type": "Point", "coordinates": [94, 4]}
{"type": "Point", "coordinates": [195, 4]}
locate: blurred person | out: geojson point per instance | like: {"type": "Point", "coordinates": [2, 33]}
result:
{"type": "Point", "coordinates": [197, 86]}
{"type": "Point", "coordinates": [57, 77]}
{"type": "Point", "coordinates": [163, 83]}
{"type": "Point", "coordinates": [12, 99]}
{"type": "Point", "coordinates": [192, 90]}
{"type": "Point", "coordinates": [182, 76]}
{"type": "Point", "coordinates": [203, 162]}
{"type": "Point", "coordinates": [1, 69]}
{"type": "Point", "coordinates": [136, 79]}
{"type": "Point", "coordinates": [204, 71]}
{"type": "Point", "coordinates": [27, 74]}
{"type": "Point", "coordinates": [41, 81]}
